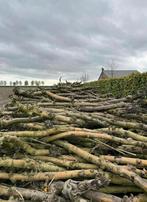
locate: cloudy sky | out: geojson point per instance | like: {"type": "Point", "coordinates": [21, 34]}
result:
{"type": "Point", "coordinates": [46, 39]}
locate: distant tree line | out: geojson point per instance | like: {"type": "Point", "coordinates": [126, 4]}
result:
{"type": "Point", "coordinates": [22, 83]}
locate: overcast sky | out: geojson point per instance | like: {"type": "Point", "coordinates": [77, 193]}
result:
{"type": "Point", "coordinates": [46, 39]}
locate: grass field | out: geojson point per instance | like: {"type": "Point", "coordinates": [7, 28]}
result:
{"type": "Point", "coordinates": [5, 92]}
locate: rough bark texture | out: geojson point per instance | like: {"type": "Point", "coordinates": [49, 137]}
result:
{"type": "Point", "coordinates": [62, 141]}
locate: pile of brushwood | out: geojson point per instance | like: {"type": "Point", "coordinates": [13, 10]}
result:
{"type": "Point", "coordinates": [63, 143]}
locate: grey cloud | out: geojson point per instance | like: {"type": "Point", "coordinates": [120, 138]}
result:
{"type": "Point", "coordinates": [46, 38]}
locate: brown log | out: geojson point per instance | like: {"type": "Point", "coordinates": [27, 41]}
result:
{"type": "Point", "coordinates": [102, 108]}
{"type": "Point", "coordinates": [57, 97]}
{"type": "Point", "coordinates": [120, 189]}
{"type": "Point", "coordinates": [92, 134]}
{"type": "Point", "coordinates": [43, 176]}
{"type": "Point", "coordinates": [29, 164]}
{"type": "Point", "coordinates": [101, 197]}
{"type": "Point", "coordinates": [122, 171]}
{"type": "Point", "coordinates": [125, 133]}
{"type": "Point", "coordinates": [12, 142]}
{"type": "Point", "coordinates": [125, 160]}
{"type": "Point", "coordinates": [7, 123]}
{"type": "Point", "coordinates": [32, 195]}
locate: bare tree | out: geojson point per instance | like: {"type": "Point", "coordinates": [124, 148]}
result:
{"type": "Point", "coordinates": [84, 78]}
{"type": "Point", "coordinates": [112, 66]}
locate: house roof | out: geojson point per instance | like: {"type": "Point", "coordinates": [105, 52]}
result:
{"type": "Point", "coordinates": [119, 73]}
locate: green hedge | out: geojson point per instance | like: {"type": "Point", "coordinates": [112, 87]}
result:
{"type": "Point", "coordinates": [120, 87]}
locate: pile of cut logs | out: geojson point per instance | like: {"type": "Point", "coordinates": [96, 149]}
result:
{"type": "Point", "coordinates": [65, 143]}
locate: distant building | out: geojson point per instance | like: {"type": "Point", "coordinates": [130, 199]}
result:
{"type": "Point", "coordinates": [115, 73]}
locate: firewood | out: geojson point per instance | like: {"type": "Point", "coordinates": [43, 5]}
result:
{"type": "Point", "coordinates": [67, 132]}
{"type": "Point", "coordinates": [125, 172]}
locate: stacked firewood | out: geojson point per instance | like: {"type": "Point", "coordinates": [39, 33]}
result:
{"type": "Point", "coordinates": [65, 143]}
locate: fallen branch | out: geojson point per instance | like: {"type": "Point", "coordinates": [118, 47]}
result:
{"type": "Point", "coordinates": [125, 172]}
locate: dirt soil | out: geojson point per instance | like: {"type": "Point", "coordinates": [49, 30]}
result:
{"type": "Point", "coordinates": [5, 92]}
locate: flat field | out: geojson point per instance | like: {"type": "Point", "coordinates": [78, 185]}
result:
{"type": "Point", "coordinates": [5, 92]}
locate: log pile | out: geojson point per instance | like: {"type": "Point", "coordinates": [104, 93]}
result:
{"type": "Point", "coordinates": [63, 143]}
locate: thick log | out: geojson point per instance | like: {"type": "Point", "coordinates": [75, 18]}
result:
{"type": "Point", "coordinates": [102, 108]}
{"type": "Point", "coordinates": [43, 176]}
{"type": "Point", "coordinates": [120, 189]}
{"type": "Point", "coordinates": [125, 133]}
{"type": "Point", "coordinates": [34, 195]}
{"type": "Point", "coordinates": [124, 124]}
{"type": "Point", "coordinates": [29, 164]}
{"type": "Point", "coordinates": [12, 142]}
{"type": "Point", "coordinates": [7, 123]}
{"type": "Point", "coordinates": [125, 160]}
{"type": "Point", "coordinates": [99, 135]}
{"type": "Point", "coordinates": [67, 164]}
{"type": "Point", "coordinates": [122, 171]}
{"type": "Point", "coordinates": [57, 97]}
{"type": "Point", "coordinates": [101, 197]}
{"type": "Point", "coordinates": [36, 134]}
